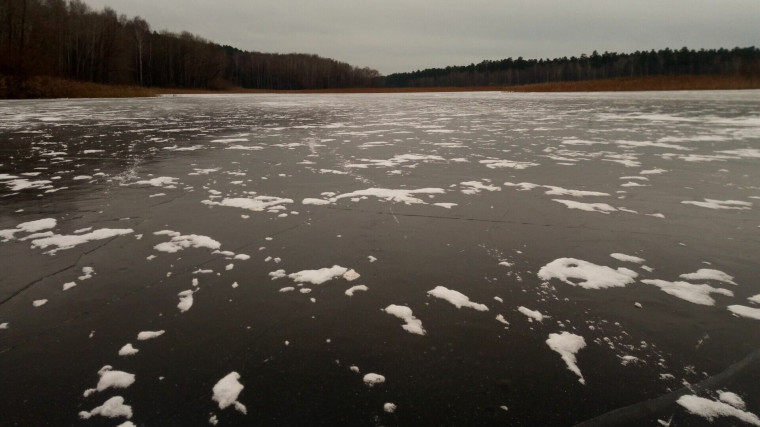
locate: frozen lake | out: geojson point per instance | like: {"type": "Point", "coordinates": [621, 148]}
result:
{"type": "Point", "coordinates": [405, 259]}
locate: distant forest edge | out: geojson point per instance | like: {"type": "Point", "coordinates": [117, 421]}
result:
{"type": "Point", "coordinates": [742, 62]}
{"type": "Point", "coordinates": [67, 39]}
{"type": "Point", "coordinates": [52, 48]}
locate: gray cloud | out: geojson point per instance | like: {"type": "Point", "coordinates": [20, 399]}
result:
{"type": "Point", "coordinates": [395, 35]}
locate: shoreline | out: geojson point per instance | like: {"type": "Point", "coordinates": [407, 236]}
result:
{"type": "Point", "coordinates": [53, 88]}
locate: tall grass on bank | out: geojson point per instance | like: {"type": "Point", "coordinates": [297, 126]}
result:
{"type": "Point", "coordinates": [53, 87]}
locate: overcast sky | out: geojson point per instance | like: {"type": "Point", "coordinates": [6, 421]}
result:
{"type": "Point", "coordinates": [406, 35]}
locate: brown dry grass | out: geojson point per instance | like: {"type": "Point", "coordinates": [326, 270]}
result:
{"type": "Point", "coordinates": [51, 87]}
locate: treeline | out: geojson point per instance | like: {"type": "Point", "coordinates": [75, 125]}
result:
{"type": "Point", "coordinates": [509, 72]}
{"type": "Point", "coordinates": [68, 39]}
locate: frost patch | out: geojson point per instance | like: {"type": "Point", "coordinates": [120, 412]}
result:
{"type": "Point", "coordinates": [567, 345]}
{"type": "Point", "coordinates": [456, 298]}
{"type": "Point", "coordinates": [588, 275]}
{"type": "Point", "coordinates": [413, 324]}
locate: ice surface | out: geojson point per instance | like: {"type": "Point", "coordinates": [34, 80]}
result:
{"type": "Point", "coordinates": [389, 407]}
{"type": "Point", "coordinates": [711, 409]}
{"type": "Point", "coordinates": [697, 294]}
{"type": "Point", "coordinates": [39, 302]}
{"type": "Point", "coordinates": [372, 379]}
{"type": "Point", "coordinates": [61, 242]}
{"type": "Point", "coordinates": [755, 299]}
{"type": "Point", "coordinates": [709, 274]}
{"type": "Point", "coordinates": [227, 390]}
{"type": "Point", "coordinates": [413, 324]}
{"type": "Point", "coordinates": [68, 285]}
{"type": "Point", "coordinates": [457, 298]}
{"type": "Point", "coordinates": [112, 408]}
{"type": "Point", "coordinates": [567, 345]}
{"type": "Point", "coordinates": [588, 275]}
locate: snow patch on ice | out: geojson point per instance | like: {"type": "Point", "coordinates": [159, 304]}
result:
{"type": "Point", "coordinates": [128, 350]}
{"type": "Point", "coordinates": [148, 335]}
{"type": "Point", "coordinates": [350, 291]}
{"type": "Point", "coordinates": [711, 409]}
{"type": "Point", "coordinates": [744, 311]}
{"type": "Point", "coordinates": [227, 390]}
{"type": "Point", "coordinates": [588, 275]}
{"type": "Point", "coordinates": [627, 258]}
{"type": "Point", "coordinates": [413, 324]}
{"type": "Point", "coordinates": [456, 298]}
{"type": "Point", "coordinates": [61, 242]}
{"type": "Point", "coordinates": [257, 204]}
{"type": "Point", "coordinates": [532, 314]}
{"type": "Point", "coordinates": [112, 408]}
{"type": "Point", "coordinates": [588, 207]}
{"type": "Point", "coordinates": [709, 274]}
{"type": "Point", "coordinates": [697, 294]}
{"type": "Point", "coordinates": [180, 242]}
{"type": "Point", "coordinates": [317, 277]}
{"type": "Point", "coordinates": [372, 379]}
{"type": "Point", "coordinates": [720, 204]}
{"type": "Point", "coordinates": [567, 345]}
